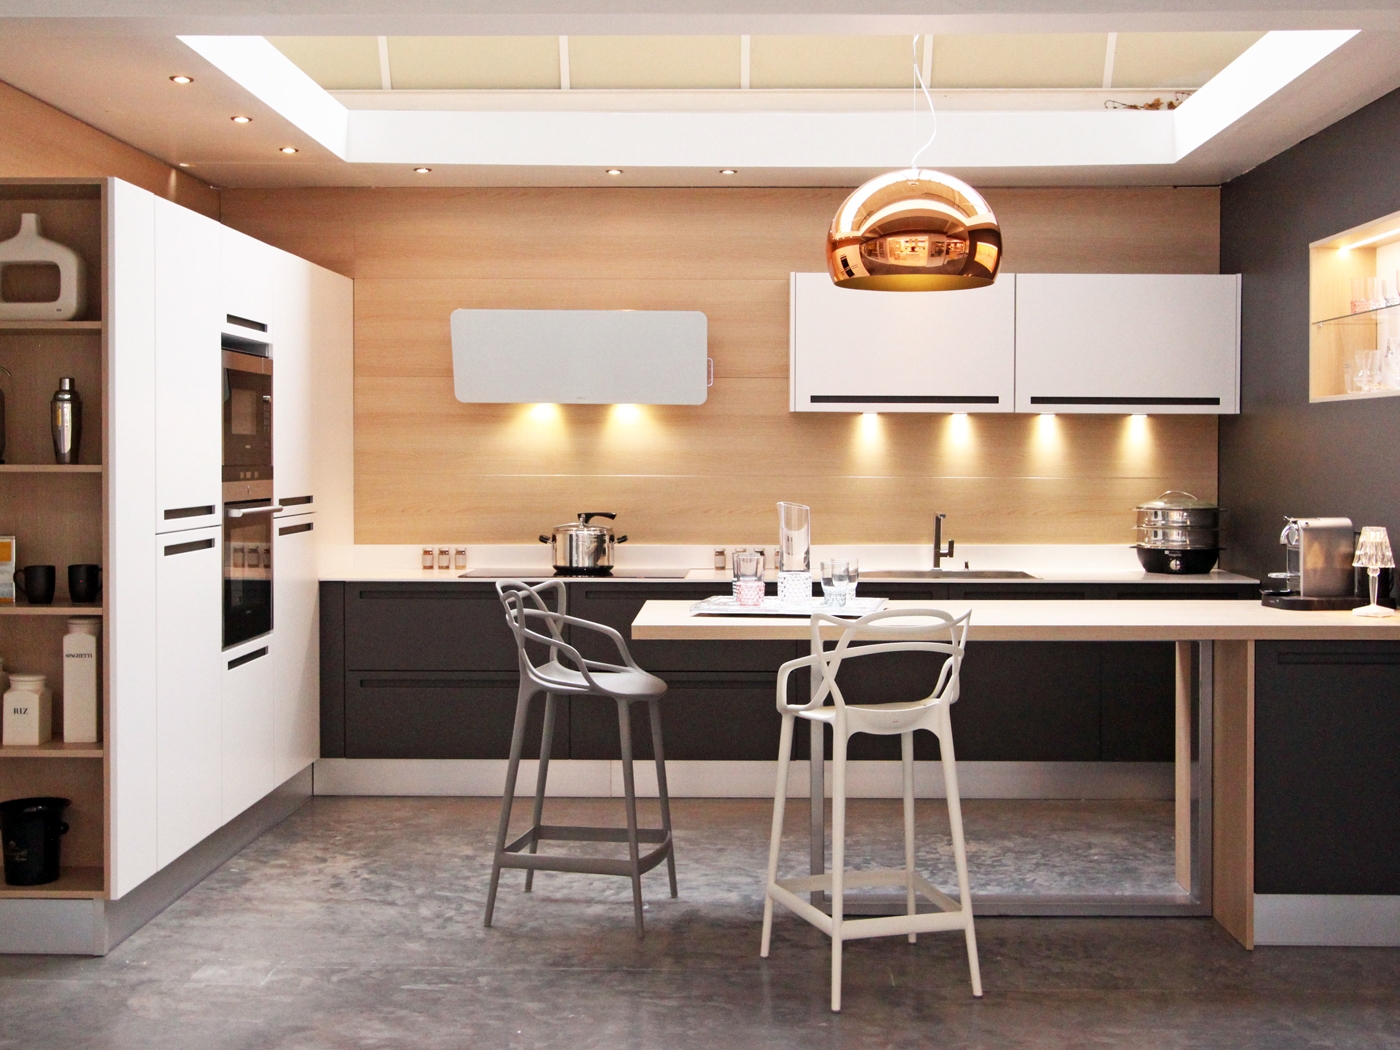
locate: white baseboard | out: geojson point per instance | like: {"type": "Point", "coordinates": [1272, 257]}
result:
{"type": "Point", "coordinates": [601, 778]}
{"type": "Point", "coordinates": [1324, 919]}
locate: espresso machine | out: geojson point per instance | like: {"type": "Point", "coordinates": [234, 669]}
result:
{"type": "Point", "coordinates": [1317, 572]}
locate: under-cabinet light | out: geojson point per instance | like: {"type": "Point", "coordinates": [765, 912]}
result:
{"type": "Point", "coordinates": [728, 171]}
{"type": "Point", "coordinates": [180, 78]}
{"type": "Point", "coordinates": [288, 149]}
{"type": "Point", "coordinates": [421, 171]}
{"type": "Point", "coordinates": [614, 171]}
{"type": "Point", "coordinates": [241, 119]}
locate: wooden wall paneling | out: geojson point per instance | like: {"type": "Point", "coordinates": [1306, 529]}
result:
{"type": "Point", "coordinates": [78, 779]}
{"type": "Point", "coordinates": [37, 360]}
{"type": "Point", "coordinates": [39, 141]}
{"type": "Point", "coordinates": [748, 320]}
{"type": "Point", "coordinates": [1232, 895]}
{"type": "Point", "coordinates": [428, 468]}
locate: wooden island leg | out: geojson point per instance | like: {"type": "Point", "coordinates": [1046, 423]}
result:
{"type": "Point", "coordinates": [1183, 765]}
{"type": "Point", "coordinates": [1233, 834]}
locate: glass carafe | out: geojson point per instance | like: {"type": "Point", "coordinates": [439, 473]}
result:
{"type": "Point", "coordinates": [794, 552]}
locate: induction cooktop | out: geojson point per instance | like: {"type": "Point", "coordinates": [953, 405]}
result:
{"type": "Point", "coordinates": [539, 574]}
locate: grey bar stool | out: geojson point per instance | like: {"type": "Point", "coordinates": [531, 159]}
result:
{"type": "Point", "coordinates": [566, 673]}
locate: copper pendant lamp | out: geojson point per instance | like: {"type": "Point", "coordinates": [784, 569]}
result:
{"type": "Point", "coordinates": [914, 230]}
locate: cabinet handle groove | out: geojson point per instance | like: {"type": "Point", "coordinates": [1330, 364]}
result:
{"type": "Point", "coordinates": [296, 501]}
{"type": "Point", "coordinates": [289, 529]}
{"type": "Point", "coordinates": [1362, 659]}
{"type": "Point", "coordinates": [189, 512]}
{"type": "Point", "coordinates": [247, 658]}
{"type": "Point", "coordinates": [904, 399]}
{"type": "Point", "coordinates": [186, 548]}
{"type": "Point", "coordinates": [1125, 401]}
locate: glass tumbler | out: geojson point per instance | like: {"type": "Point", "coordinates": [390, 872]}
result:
{"type": "Point", "coordinates": [832, 595]}
{"type": "Point", "coordinates": [748, 585]}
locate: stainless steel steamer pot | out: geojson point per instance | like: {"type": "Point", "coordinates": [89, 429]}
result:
{"type": "Point", "coordinates": [1178, 510]}
{"type": "Point", "coordinates": [580, 548]}
{"type": "Point", "coordinates": [1178, 533]}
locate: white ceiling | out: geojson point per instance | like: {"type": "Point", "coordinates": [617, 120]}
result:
{"type": "Point", "coordinates": [108, 62]}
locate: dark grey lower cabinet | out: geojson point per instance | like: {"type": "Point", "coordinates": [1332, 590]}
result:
{"type": "Point", "coordinates": [425, 714]}
{"type": "Point", "coordinates": [1327, 767]}
{"type": "Point", "coordinates": [427, 670]}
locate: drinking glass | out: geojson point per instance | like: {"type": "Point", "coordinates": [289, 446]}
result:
{"type": "Point", "coordinates": [852, 576]}
{"type": "Point", "coordinates": [832, 595]}
{"type": "Point", "coordinates": [748, 587]}
{"type": "Point", "coordinates": [734, 557]}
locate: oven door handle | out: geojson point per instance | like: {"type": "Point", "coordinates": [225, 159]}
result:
{"type": "Point", "coordinates": [243, 512]}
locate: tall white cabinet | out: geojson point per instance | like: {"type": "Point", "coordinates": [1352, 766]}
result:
{"type": "Point", "coordinates": [200, 733]}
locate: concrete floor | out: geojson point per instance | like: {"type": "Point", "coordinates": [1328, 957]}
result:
{"type": "Point", "coordinates": [357, 923]}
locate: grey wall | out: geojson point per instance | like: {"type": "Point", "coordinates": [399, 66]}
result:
{"type": "Point", "coordinates": [1282, 455]}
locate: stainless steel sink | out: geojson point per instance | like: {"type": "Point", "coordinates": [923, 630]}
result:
{"type": "Point", "coordinates": [947, 574]}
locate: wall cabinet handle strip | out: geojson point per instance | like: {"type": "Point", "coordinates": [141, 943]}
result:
{"type": "Point", "coordinates": [296, 501]}
{"type": "Point", "coordinates": [189, 512]}
{"type": "Point", "coordinates": [186, 548]}
{"type": "Point", "coordinates": [247, 658]}
{"type": "Point", "coordinates": [288, 530]}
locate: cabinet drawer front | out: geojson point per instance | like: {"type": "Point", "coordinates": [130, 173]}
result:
{"type": "Point", "coordinates": [703, 716]}
{"type": "Point", "coordinates": [428, 715]}
{"type": "Point", "coordinates": [617, 606]}
{"type": "Point", "coordinates": [426, 627]}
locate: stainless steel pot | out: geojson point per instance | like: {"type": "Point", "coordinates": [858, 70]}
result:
{"type": "Point", "coordinates": [1177, 538]}
{"type": "Point", "coordinates": [580, 548]}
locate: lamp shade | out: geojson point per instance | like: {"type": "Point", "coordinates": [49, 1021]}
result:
{"type": "Point", "coordinates": [914, 230]}
{"type": "Point", "coordinates": [1373, 549]}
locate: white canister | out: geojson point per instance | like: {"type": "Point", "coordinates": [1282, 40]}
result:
{"type": "Point", "coordinates": [28, 711]}
{"type": "Point", "coordinates": [82, 688]}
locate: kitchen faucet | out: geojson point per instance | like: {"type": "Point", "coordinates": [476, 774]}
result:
{"type": "Point", "coordinates": [938, 552]}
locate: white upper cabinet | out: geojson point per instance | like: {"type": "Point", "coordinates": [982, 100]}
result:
{"type": "Point", "coordinates": [1118, 343]}
{"type": "Point", "coordinates": [246, 286]}
{"type": "Point", "coordinates": [860, 351]}
{"type": "Point", "coordinates": [189, 436]}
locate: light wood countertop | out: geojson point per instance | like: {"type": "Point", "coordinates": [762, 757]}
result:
{"type": "Point", "coordinates": [1010, 621]}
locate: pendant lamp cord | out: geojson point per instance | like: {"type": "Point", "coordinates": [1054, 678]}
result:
{"type": "Point", "coordinates": [919, 78]}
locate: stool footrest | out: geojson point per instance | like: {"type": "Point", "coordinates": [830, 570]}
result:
{"type": "Point", "coordinates": [951, 917]}
{"type": "Point", "coordinates": [512, 857]}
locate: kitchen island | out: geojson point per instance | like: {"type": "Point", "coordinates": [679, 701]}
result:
{"type": "Point", "coordinates": [1229, 637]}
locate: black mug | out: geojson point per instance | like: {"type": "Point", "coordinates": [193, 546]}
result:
{"type": "Point", "coordinates": [38, 583]}
{"type": "Point", "coordinates": [84, 583]}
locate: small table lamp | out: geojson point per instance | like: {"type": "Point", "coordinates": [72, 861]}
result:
{"type": "Point", "coordinates": [1373, 554]}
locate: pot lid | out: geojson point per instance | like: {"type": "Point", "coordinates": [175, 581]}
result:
{"type": "Point", "coordinates": [584, 522]}
{"type": "Point", "coordinates": [1176, 500]}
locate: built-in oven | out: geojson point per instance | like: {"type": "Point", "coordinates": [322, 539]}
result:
{"type": "Point", "coordinates": [247, 489]}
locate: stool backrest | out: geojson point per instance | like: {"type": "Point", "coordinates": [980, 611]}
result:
{"type": "Point", "coordinates": [891, 631]}
{"type": "Point", "coordinates": [532, 620]}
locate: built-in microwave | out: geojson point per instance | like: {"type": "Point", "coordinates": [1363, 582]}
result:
{"type": "Point", "coordinates": [247, 426]}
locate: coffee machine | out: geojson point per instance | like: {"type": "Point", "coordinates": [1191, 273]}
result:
{"type": "Point", "coordinates": [1317, 565]}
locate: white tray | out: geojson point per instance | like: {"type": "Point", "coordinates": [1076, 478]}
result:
{"type": "Point", "coordinates": [726, 605]}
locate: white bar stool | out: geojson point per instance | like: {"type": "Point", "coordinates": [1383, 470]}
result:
{"type": "Point", "coordinates": [931, 713]}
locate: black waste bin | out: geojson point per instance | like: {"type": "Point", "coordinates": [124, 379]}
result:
{"type": "Point", "coordinates": [31, 829]}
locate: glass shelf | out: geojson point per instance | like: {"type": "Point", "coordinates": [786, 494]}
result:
{"type": "Point", "coordinates": [1360, 316]}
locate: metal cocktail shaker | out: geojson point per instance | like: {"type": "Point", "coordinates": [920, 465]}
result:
{"type": "Point", "coordinates": [66, 421]}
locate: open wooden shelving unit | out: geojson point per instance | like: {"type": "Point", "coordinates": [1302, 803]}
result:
{"type": "Point", "coordinates": [57, 514]}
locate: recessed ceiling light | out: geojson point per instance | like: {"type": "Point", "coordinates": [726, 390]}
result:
{"type": "Point", "coordinates": [422, 171]}
{"type": "Point", "coordinates": [180, 78]}
{"type": "Point", "coordinates": [183, 164]}
{"type": "Point", "coordinates": [288, 149]}
{"type": "Point", "coordinates": [241, 120]}
{"type": "Point", "coordinates": [728, 171]}
{"type": "Point", "coordinates": [614, 171]}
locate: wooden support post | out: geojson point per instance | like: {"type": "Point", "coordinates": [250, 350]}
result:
{"type": "Point", "coordinates": [1233, 835]}
{"type": "Point", "coordinates": [1183, 765]}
